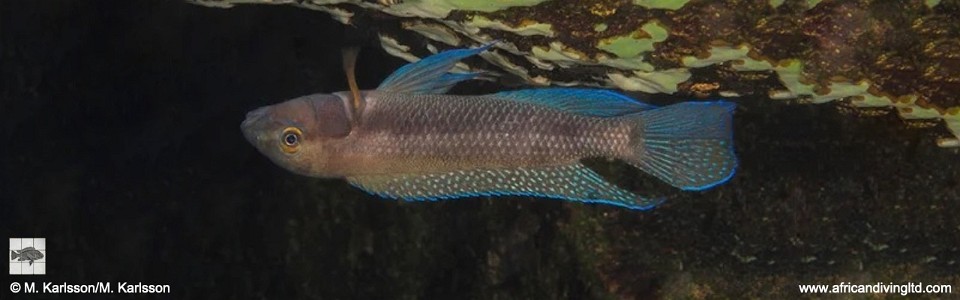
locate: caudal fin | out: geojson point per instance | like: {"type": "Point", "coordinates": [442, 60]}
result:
{"type": "Point", "coordinates": [13, 255]}
{"type": "Point", "coordinates": [688, 145]}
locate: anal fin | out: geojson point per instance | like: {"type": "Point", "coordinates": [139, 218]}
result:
{"type": "Point", "coordinates": [570, 182]}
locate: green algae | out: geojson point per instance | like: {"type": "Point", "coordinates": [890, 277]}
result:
{"type": "Point", "coordinates": [636, 43]}
{"type": "Point", "coordinates": [661, 4]}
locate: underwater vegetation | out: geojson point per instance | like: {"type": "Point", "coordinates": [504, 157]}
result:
{"type": "Point", "coordinates": [875, 57]}
{"type": "Point", "coordinates": [121, 147]}
{"type": "Point", "coordinates": [872, 58]}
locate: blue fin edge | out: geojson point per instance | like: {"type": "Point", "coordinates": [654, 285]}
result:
{"type": "Point", "coordinates": [657, 201]}
{"type": "Point", "coordinates": [427, 74]}
{"type": "Point", "coordinates": [590, 102]}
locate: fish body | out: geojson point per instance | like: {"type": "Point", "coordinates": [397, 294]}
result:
{"type": "Point", "coordinates": [410, 141]}
{"type": "Point", "coordinates": [29, 253]}
{"type": "Point", "coordinates": [445, 133]}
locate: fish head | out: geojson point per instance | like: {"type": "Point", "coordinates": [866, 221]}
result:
{"type": "Point", "coordinates": [298, 134]}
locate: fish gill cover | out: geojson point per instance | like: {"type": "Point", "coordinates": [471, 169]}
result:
{"type": "Point", "coordinates": [121, 147]}
{"type": "Point", "coordinates": [398, 141]}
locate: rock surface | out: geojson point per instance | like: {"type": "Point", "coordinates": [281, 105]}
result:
{"type": "Point", "coordinates": [878, 56]}
{"type": "Point", "coordinates": [121, 146]}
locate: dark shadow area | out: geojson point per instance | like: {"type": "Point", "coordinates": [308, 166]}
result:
{"type": "Point", "coordinates": [121, 146]}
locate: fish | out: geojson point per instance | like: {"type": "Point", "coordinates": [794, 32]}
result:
{"type": "Point", "coordinates": [409, 140]}
{"type": "Point", "coordinates": [28, 253]}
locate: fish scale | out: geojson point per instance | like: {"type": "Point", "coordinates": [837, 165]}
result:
{"type": "Point", "coordinates": [487, 130]}
{"type": "Point", "coordinates": [572, 182]}
{"type": "Point", "coordinates": [406, 140]}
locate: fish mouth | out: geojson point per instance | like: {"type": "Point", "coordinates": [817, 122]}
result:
{"type": "Point", "coordinates": [252, 124]}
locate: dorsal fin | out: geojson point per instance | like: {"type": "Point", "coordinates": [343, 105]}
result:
{"type": "Point", "coordinates": [429, 75]}
{"type": "Point", "coordinates": [589, 102]}
{"type": "Point", "coordinates": [349, 67]}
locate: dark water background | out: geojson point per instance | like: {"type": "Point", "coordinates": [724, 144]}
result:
{"type": "Point", "coordinates": [120, 144]}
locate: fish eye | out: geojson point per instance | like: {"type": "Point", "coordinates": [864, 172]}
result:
{"type": "Point", "coordinates": [290, 139]}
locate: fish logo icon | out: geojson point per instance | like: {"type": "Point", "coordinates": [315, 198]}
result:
{"type": "Point", "coordinates": [28, 256]}
{"type": "Point", "coordinates": [28, 253]}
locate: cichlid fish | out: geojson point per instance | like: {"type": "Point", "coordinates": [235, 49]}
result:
{"type": "Point", "coordinates": [28, 253]}
{"type": "Point", "coordinates": [408, 140]}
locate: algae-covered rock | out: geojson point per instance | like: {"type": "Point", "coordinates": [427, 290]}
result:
{"type": "Point", "coordinates": [879, 56]}
{"type": "Point", "coordinates": [122, 148]}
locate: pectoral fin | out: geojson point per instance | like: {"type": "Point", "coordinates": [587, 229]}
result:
{"type": "Point", "coordinates": [349, 68]}
{"type": "Point", "coordinates": [571, 182]}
